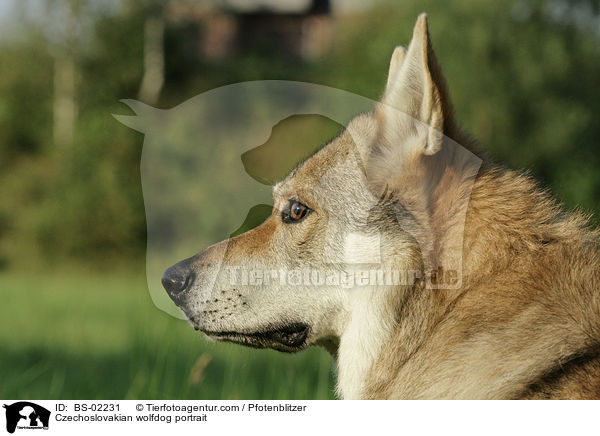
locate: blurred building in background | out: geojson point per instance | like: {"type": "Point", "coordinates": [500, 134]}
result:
{"type": "Point", "coordinates": [218, 30]}
{"type": "Point", "coordinates": [299, 28]}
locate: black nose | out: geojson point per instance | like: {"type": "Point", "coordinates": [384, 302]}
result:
{"type": "Point", "coordinates": [177, 279]}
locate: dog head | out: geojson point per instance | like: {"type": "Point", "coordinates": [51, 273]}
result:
{"type": "Point", "coordinates": [364, 204]}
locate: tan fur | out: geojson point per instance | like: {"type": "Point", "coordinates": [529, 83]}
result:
{"type": "Point", "coordinates": [528, 307]}
{"type": "Point", "coordinates": [522, 321]}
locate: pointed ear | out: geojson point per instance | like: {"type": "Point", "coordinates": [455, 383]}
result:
{"type": "Point", "coordinates": [415, 99]}
{"type": "Point", "coordinates": [395, 63]}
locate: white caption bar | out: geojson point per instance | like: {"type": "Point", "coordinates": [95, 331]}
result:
{"type": "Point", "coordinates": [297, 417]}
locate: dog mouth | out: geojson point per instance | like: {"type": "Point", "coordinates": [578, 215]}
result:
{"type": "Point", "coordinates": [288, 338]}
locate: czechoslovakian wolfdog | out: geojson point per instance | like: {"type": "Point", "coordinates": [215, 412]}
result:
{"type": "Point", "coordinates": [517, 314]}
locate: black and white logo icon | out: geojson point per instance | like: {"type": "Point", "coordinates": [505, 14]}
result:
{"type": "Point", "coordinates": [26, 415]}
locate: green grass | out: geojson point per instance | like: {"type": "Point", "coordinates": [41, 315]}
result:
{"type": "Point", "coordinates": [77, 336]}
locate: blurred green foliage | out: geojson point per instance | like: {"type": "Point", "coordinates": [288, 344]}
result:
{"type": "Point", "coordinates": [524, 81]}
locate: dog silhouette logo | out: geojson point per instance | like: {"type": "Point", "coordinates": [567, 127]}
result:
{"type": "Point", "coordinates": [26, 415]}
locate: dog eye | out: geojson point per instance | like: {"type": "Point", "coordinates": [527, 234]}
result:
{"type": "Point", "coordinates": [295, 212]}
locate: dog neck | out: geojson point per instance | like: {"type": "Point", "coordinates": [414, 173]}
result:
{"type": "Point", "coordinates": [370, 325]}
{"type": "Point", "coordinates": [373, 313]}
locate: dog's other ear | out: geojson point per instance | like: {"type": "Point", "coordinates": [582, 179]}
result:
{"type": "Point", "coordinates": [395, 63]}
{"type": "Point", "coordinates": [415, 99]}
